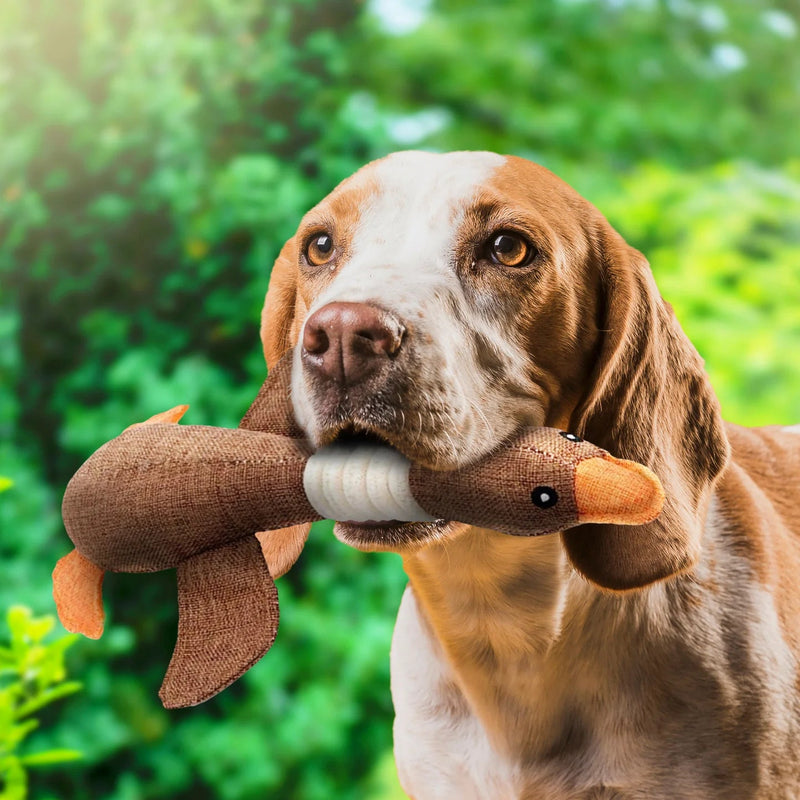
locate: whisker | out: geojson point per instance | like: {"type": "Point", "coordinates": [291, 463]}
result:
{"type": "Point", "coordinates": [480, 413]}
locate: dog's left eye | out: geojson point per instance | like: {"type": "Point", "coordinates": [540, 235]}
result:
{"type": "Point", "coordinates": [510, 250]}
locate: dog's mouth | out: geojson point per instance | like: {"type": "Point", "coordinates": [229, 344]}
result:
{"type": "Point", "coordinates": [356, 433]}
{"type": "Point", "coordinates": [420, 447]}
{"type": "Point", "coordinates": [382, 535]}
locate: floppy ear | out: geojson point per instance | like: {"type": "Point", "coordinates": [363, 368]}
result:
{"type": "Point", "coordinates": [281, 319]}
{"type": "Point", "coordinates": [649, 401]}
{"type": "Point", "coordinates": [284, 310]}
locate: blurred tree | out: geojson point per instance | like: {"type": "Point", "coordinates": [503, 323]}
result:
{"type": "Point", "coordinates": [724, 243]}
{"type": "Point", "coordinates": [606, 83]}
{"type": "Point", "coordinates": [155, 157]}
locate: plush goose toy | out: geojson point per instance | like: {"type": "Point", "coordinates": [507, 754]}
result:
{"type": "Point", "coordinates": [162, 496]}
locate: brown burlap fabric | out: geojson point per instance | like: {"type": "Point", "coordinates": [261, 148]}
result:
{"type": "Point", "coordinates": [162, 495]}
{"type": "Point", "coordinates": [159, 494]}
{"type": "Point", "coordinates": [529, 487]}
{"type": "Point", "coordinates": [271, 412]}
{"type": "Point", "coordinates": [227, 620]}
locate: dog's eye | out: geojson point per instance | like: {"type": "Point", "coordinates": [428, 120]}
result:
{"type": "Point", "coordinates": [319, 249]}
{"type": "Point", "coordinates": [510, 250]}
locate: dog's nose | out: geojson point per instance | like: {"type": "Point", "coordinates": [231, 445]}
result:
{"type": "Point", "coordinates": [347, 342]}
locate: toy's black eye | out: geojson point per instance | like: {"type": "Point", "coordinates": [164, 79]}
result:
{"type": "Point", "coordinates": [544, 496]}
{"type": "Point", "coordinates": [571, 436]}
{"type": "Point", "coordinates": [319, 249]}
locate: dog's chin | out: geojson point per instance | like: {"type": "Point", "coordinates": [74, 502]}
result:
{"type": "Point", "coordinates": [394, 536]}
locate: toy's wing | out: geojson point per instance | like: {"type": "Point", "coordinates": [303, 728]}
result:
{"type": "Point", "coordinates": [227, 620]}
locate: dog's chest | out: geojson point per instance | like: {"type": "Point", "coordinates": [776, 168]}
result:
{"type": "Point", "coordinates": [443, 749]}
{"type": "Point", "coordinates": [587, 734]}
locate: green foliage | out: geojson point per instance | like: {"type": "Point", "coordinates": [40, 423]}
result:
{"type": "Point", "coordinates": [156, 155]}
{"type": "Point", "coordinates": [607, 83]}
{"type": "Point", "coordinates": [32, 676]}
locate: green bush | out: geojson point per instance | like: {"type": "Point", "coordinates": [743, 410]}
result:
{"type": "Point", "coordinates": [724, 244]}
{"type": "Point", "coordinates": [607, 85]}
{"type": "Point", "coordinates": [32, 676]}
{"type": "Point", "coordinates": [154, 158]}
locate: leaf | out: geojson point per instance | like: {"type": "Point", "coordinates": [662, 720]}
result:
{"type": "Point", "coordinates": [15, 779]}
{"type": "Point", "coordinates": [39, 627]}
{"type": "Point", "coordinates": [48, 696]}
{"type": "Point", "coordinates": [16, 733]}
{"type": "Point", "coordinates": [56, 756]}
{"type": "Point", "coordinates": [17, 619]}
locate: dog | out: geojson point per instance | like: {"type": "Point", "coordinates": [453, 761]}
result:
{"type": "Point", "coordinates": [440, 303]}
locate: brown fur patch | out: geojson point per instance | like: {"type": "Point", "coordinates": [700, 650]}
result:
{"type": "Point", "coordinates": [291, 288]}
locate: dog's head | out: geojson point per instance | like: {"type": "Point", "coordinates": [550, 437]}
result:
{"type": "Point", "coordinates": [442, 302]}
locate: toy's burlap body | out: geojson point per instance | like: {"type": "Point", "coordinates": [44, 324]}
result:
{"type": "Point", "coordinates": [159, 494]}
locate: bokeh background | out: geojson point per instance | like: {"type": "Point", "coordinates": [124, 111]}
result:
{"type": "Point", "coordinates": [155, 154]}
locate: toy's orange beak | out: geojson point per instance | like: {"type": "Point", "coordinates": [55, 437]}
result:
{"type": "Point", "coordinates": [611, 490]}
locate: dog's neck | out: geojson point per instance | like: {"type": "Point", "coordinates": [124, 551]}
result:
{"type": "Point", "coordinates": [496, 605]}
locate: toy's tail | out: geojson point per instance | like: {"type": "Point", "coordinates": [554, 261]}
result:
{"type": "Point", "coordinates": [78, 582]}
{"type": "Point", "coordinates": [78, 592]}
{"type": "Point", "coordinates": [170, 415]}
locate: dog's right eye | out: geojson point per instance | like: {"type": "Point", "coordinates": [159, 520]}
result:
{"type": "Point", "coordinates": [509, 249]}
{"type": "Point", "coordinates": [319, 249]}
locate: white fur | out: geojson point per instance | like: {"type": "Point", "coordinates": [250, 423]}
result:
{"type": "Point", "coordinates": [402, 250]}
{"type": "Point", "coordinates": [441, 753]}
{"type": "Point", "coordinates": [444, 750]}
